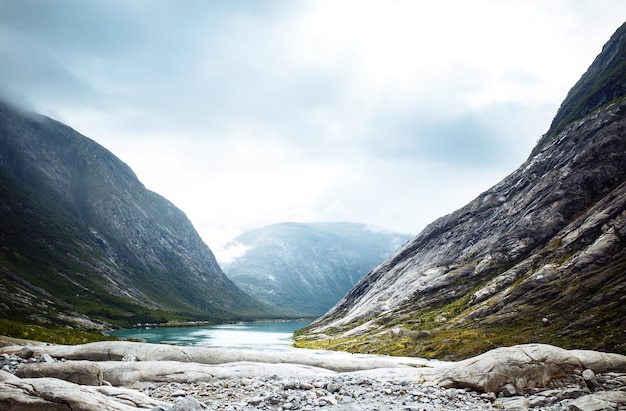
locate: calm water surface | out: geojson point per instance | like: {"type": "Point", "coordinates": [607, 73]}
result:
{"type": "Point", "coordinates": [269, 336]}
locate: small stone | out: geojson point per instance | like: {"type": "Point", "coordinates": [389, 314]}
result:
{"type": "Point", "coordinates": [332, 387]}
{"type": "Point", "coordinates": [46, 358]}
{"type": "Point", "coordinates": [539, 401]}
{"type": "Point", "coordinates": [590, 379]}
{"type": "Point", "coordinates": [27, 352]}
{"type": "Point", "coordinates": [290, 385]}
{"type": "Point", "coordinates": [255, 400]}
{"type": "Point", "coordinates": [179, 393]}
{"type": "Point", "coordinates": [513, 403]}
{"type": "Point", "coordinates": [331, 400]}
{"type": "Point", "coordinates": [508, 390]}
{"type": "Point", "coordinates": [306, 386]}
{"type": "Point", "coordinates": [572, 393]}
{"type": "Point", "coordinates": [187, 404]}
{"type": "Point", "coordinates": [345, 399]}
{"type": "Point", "coordinates": [489, 396]}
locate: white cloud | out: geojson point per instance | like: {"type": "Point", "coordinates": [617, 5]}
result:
{"type": "Point", "coordinates": [230, 252]}
{"type": "Point", "coordinates": [245, 114]}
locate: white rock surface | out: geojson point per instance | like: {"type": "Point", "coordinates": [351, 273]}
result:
{"type": "Point", "coordinates": [117, 350]}
{"type": "Point", "coordinates": [600, 401]}
{"type": "Point", "coordinates": [51, 394]}
{"type": "Point", "coordinates": [146, 373]}
{"type": "Point", "coordinates": [528, 366]}
{"type": "Point", "coordinates": [526, 376]}
{"type": "Point", "coordinates": [78, 372]}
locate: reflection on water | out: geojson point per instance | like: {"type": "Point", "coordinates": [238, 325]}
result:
{"type": "Point", "coordinates": [270, 336]}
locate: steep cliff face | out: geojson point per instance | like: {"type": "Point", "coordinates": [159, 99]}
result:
{"type": "Point", "coordinates": [537, 258]}
{"type": "Point", "coordinates": [604, 82]}
{"type": "Point", "coordinates": [79, 230]}
{"type": "Point", "coordinates": [308, 267]}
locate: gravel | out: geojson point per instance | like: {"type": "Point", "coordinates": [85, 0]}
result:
{"type": "Point", "coordinates": [351, 391]}
{"type": "Point", "coordinates": [336, 393]}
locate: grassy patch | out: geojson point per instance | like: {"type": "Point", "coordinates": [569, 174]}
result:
{"type": "Point", "coordinates": [54, 334]}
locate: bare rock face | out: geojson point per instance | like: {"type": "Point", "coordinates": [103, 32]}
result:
{"type": "Point", "coordinates": [51, 394]}
{"type": "Point", "coordinates": [78, 372]}
{"type": "Point", "coordinates": [608, 400]}
{"type": "Point", "coordinates": [518, 377]}
{"type": "Point", "coordinates": [524, 367]}
{"type": "Point", "coordinates": [539, 257]}
{"type": "Point", "coordinates": [106, 352]}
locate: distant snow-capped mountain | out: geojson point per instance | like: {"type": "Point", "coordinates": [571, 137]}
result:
{"type": "Point", "coordinates": [307, 267]}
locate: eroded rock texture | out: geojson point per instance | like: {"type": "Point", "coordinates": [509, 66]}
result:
{"type": "Point", "coordinates": [539, 257]}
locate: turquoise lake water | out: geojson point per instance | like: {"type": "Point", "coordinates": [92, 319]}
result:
{"type": "Point", "coordinates": [263, 335]}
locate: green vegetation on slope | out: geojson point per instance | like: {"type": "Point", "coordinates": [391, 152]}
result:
{"type": "Point", "coordinates": [79, 234]}
{"type": "Point", "coordinates": [602, 84]}
{"type": "Point", "coordinates": [50, 334]}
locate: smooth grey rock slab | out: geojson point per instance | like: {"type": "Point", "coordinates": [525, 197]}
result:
{"type": "Point", "coordinates": [527, 366]}
{"type": "Point", "coordinates": [51, 394]}
{"type": "Point", "coordinates": [117, 350]}
{"type": "Point", "coordinates": [78, 372]}
{"type": "Point", "coordinates": [599, 401]}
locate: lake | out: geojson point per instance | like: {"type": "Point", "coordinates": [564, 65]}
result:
{"type": "Point", "coordinates": [267, 336]}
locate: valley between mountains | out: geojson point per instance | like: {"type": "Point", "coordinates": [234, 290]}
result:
{"type": "Point", "coordinates": [307, 267]}
{"type": "Point", "coordinates": [515, 301]}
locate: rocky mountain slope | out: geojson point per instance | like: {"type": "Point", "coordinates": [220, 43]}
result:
{"type": "Point", "coordinates": [82, 239]}
{"type": "Point", "coordinates": [308, 267]}
{"type": "Point", "coordinates": [539, 257]}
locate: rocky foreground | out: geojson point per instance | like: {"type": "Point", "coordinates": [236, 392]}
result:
{"type": "Point", "coordinates": [138, 376]}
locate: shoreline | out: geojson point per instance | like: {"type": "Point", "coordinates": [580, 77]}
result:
{"type": "Point", "coordinates": [263, 335]}
{"type": "Point", "coordinates": [175, 324]}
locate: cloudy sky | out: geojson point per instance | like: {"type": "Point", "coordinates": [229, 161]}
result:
{"type": "Point", "coordinates": [249, 113]}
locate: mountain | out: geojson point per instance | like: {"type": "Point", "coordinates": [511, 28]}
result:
{"type": "Point", "coordinates": [307, 267]}
{"type": "Point", "coordinates": [539, 257]}
{"type": "Point", "coordinates": [83, 240]}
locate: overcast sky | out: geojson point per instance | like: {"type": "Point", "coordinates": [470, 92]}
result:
{"type": "Point", "coordinates": [249, 113]}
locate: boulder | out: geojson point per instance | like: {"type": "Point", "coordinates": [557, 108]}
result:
{"type": "Point", "coordinates": [27, 351]}
{"type": "Point", "coordinates": [590, 379]}
{"type": "Point", "coordinates": [142, 374]}
{"type": "Point", "coordinates": [599, 401]}
{"type": "Point", "coordinates": [51, 394]}
{"type": "Point", "coordinates": [120, 350]}
{"type": "Point", "coordinates": [78, 372]}
{"type": "Point", "coordinates": [600, 362]}
{"type": "Point", "coordinates": [526, 366]}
